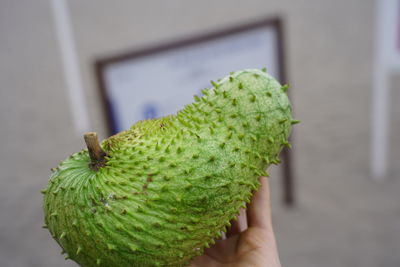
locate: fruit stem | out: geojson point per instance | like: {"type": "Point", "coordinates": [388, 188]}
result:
{"type": "Point", "coordinates": [96, 153]}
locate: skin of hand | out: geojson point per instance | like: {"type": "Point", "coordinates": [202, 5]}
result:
{"type": "Point", "coordinates": [250, 242]}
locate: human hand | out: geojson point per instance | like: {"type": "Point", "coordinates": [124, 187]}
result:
{"type": "Point", "coordinates": [250, 241]}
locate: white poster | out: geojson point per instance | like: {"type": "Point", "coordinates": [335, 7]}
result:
{"type": "Point", "coordinates": [161, 83]}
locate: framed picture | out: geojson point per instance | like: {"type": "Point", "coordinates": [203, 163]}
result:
{"type": "Point", "coordinates": [160, 80]}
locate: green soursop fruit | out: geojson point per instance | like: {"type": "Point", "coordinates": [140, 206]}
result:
{"type": "Point", "coordinates": [162, 191]}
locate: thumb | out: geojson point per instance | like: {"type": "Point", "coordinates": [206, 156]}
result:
{"type": "Point", "coordinates": [259, 210]}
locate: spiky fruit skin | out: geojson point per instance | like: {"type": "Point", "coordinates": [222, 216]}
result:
{"type": "Point", "coordinates": [170, 185]}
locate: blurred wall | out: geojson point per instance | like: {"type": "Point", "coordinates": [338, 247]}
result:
{"type": "Point", "coordinates": [328, 45]}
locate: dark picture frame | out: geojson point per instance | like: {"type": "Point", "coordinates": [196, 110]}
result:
{"type": "Point", "coordinates": [275, 23]}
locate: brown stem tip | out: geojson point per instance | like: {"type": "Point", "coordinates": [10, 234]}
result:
{"type": "Point", "coordinates": [96, 153]}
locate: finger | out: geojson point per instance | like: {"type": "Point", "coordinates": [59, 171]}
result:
{"type": "Point", "coordinates": [259, 209]}
{"type": "Point", "coordinates": [238, 225]}
{"type": "Point", "coordinates": [203, 260]}
{"type": "Point", "coordinates": [223, 250]}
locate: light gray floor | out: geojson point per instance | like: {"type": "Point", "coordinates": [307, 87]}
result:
{"type": "Point", "coordinates": [336, 224]}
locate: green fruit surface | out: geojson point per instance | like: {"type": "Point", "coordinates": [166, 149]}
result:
{"type": "Point", "coordinates": [170, 185]}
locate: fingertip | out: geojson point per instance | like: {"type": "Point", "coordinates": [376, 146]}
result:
{"type": "Point", "coordinates": [259, 210]}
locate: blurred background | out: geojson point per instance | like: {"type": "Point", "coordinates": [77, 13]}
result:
{"type": "Point", "coordinates": [344, 88]}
